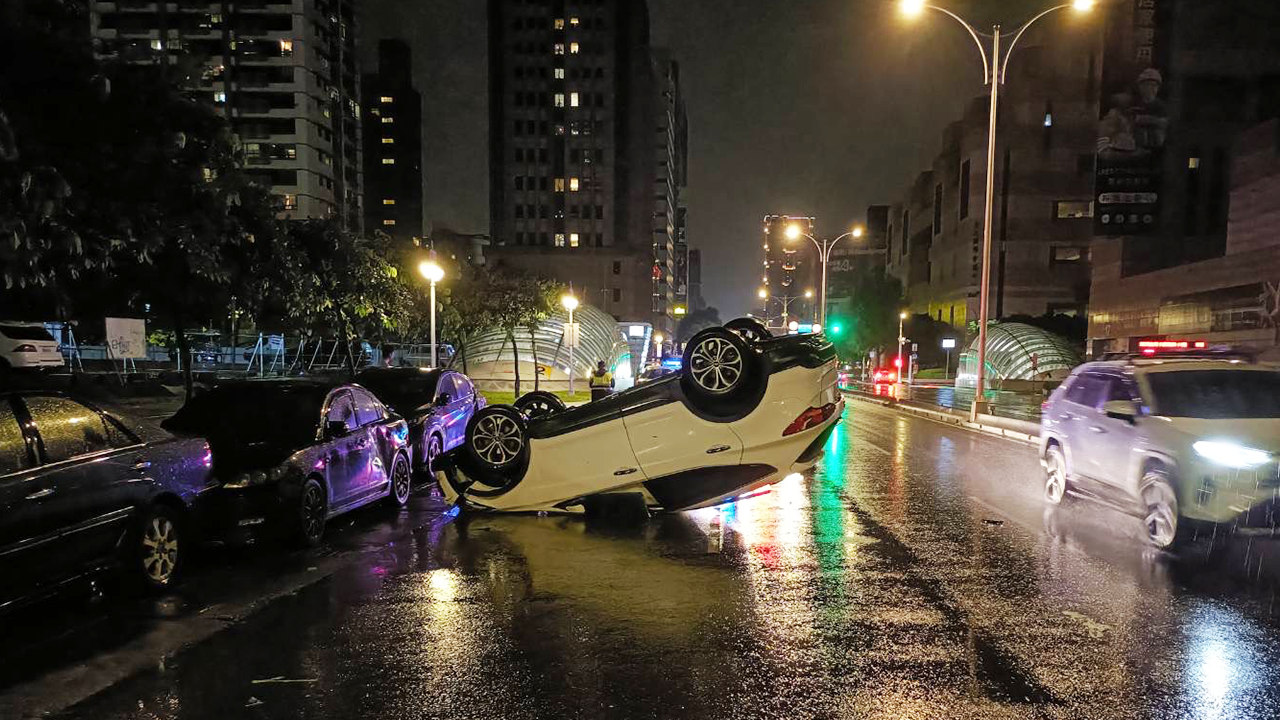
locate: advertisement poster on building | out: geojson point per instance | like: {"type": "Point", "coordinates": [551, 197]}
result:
{"type": "Point", "coordinates": [1134, 125]}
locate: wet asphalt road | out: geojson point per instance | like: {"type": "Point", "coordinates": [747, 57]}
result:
{"type": "Point", "coordinates": [915, 575]}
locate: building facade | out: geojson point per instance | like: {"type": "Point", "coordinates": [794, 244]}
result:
{"type": "Point", "coordinates": [671, 159]}
{"type": "Point", "coordinates": [789, 279]}
{"type": "Point", "coordinates": [696, 301]}
{"type": "Point", "coordinates": [571, 149]}
{"type": "Point", "coordinates": [1043, 185]}
{"type": "Point", "coordinates": [393, 145]}
{"type": "Point", "coordinates": [285, 74]}
{"type": "Point", "coordinates": [1185, 249]}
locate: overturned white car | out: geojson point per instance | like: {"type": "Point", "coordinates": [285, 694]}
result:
{"type": "Point", "coordinates": [746, 410]}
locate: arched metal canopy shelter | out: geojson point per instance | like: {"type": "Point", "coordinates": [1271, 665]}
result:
{"type": "Point", "coordinates": [1019, 352]}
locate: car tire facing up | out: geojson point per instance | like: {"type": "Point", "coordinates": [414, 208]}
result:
{"type": "Point", "coordinates": [720, 372]}
{"type": "Point", "coordinates": [538, 404]}
{"type": "Point", "coordinates": [496, 451]}
{"type": "Point", "coordinates": [159, 549]}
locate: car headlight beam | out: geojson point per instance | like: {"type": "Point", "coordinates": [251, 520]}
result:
{"type": "Point", "coordinates": [1232, 455]}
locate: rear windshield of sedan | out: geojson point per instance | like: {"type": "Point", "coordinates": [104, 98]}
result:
{"type": "Point", "coordinates": [404, 392]}
{"type": "Point", "coordinates": [26, 332]}
{"type": "Point", "coordinates": [1216, 394]}
{"type": "Point", "coordinates": [256, 414]}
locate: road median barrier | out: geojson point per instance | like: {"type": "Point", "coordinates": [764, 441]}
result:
{"type": "Point", "coordinates": [1008, 428]}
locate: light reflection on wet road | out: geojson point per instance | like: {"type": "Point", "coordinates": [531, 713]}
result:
{"type": "Point", "coordinates": [916, 574]}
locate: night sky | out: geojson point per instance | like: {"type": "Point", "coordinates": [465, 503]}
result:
{"type": "Point", "coordinates": [800, 107]}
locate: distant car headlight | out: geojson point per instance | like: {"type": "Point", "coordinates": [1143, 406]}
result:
{"type": "Point", "coordinates": [1229, 454]}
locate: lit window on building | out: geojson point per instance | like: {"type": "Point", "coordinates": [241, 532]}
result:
{"type": "Point", "coordinates": [220, 97]}
{"type": "Point", "coordinates": [559, 23]}
{"type": "Point", "coordinates": [388, 161]}
{"type": "Point", "coordinates": [388, 120]}
{"type": "Point", "coordinates": [386, 99]}
{"type": "Point", "coordinates": [388, 223]}
{"type": "Point", "coordinates": [1071, 210]}
{"type": "Point", "coordinates": [291, 152]}
{"type": "Point", "coordinates": [1048, 119]}
{"type": "Point", "coordinates": [560, 100]}
{"type": "Point", "coordinates": [209, 175]}
{"type": "Point", "coordinates": [559, 48]}
{"type": "Point", "coordinates": [559, 73]}
{"type": "Point", "coordinates": [1193, 163]}
{"type": "Point", "coordinates": [388, 201]}
{"type": "Point", "coordinates": [157, 45]}
{"type": "Point", "coordinates": [573, 184]}
{"type": "Point", "coordinates": [559, 239]}
{"type": "Point", "coordinates": [559, 129]}
{"type": "Point", "coordinates": [290, 202]}
{"type": "Point", "coordinates": [560, 185]}
{"type": "Point", "coordinates": [388, 141]}
{"type": "Point", "coordinates": [573, 100]}
{"type": "Point", "coordinates": [286, 47]}
{"type": "Point", "coordinates": [573, 48]}
{"type": "Point", "coordinates": [574, 21]}
{"type": "Point", "coordinates": [573, 239]}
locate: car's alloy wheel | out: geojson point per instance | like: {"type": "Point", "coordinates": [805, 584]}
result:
{"type": "Point", "coordinates": [311, 512]}
{"type": "Point", "coordinates": [1055, 481]}
{"type": "Point", "coordinates": [1161, 519]}
{"type": "Point", "coordinates": [538, 404]}
{"type": "Point", "coordinates": [749, 328]}
{"type": "Point", "coordinates": [400, 481]}
{"type": "Point", "coordinates": [497, 439]}
{"type": "Point", "coordinates": [434, 450]}
{"type": "Point", "coordinates": [716, 365]}
{"type": "Point", "coordinates": [160, 548]}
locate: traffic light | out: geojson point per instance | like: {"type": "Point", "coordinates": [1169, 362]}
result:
{"type": "Point", "coordinates": [836, 329]}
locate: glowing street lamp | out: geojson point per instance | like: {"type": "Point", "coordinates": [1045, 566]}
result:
{"type": "Point", "coordinates": [657, 340]}
{"type": "Point", "coordinates": [570, 303]}
{"type": "Point", "coordinates": [762, 293]}
{"type": "Point", "coordinates": [995, 69]}
{"type": "Point", "coordinates": [824, 254]}
{"type": "Point", "coordinates": [434, 274]}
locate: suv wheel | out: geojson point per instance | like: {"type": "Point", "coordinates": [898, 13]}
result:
{"type": "Point", "coordinates": [539, 403]}
{"type": "Point", "coordinates": [1055, 476]}
{"type": "Point", "coordinates": [721, 372]}
{"type": "Point", "coordinates": [1166, 529]}
{"type": "Point", "coordinates": [496, 450]}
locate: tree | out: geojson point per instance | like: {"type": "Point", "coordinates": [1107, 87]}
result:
{"type": "Point", "coordinates": [695, 322]}
{"type": "Point", "coordinates": [516, 301]}
{"type": "Point", "coordinates": [869, 320]}
{"type": "Point", "coordinates": [327, 278]}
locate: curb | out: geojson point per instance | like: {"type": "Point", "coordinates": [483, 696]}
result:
{"type": "Point", "coordinates": [987, 423]}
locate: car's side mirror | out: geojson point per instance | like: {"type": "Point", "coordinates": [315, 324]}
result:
{"type": "Point", "coordinates": [335, 428]}
{"type": "Point", "coordinates": [444, 399]}
{"type": "Point", "coordinates": [1121, 410]}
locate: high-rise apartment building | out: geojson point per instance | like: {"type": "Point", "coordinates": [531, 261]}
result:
{"type": "Point", "coordinates": [393, 145]}
{"type": "Point", "coordinates": [671, 161]}
{"type": "Point", "coordinates": [284, 73]}
{"type": "Point", "coordinates": [789, 279]}
{"type": "Point", "coordinates": [571, 150]}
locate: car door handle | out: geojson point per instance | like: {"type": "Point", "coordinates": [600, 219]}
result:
{"type": "Point", "coordinates": [1096, 429]}
{"type": "Point", "coordinates": [40, 494]}
{"type": "Point", "coordinates": [142, 465]}
{"type": "Point", "coordinates": [624, 471]}
{"type": "Point", "coordinates": [718, 449]}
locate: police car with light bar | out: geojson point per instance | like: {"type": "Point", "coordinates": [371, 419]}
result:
{"type": "Point", "coordinates": [745, 410]}
{"type": "Point", "coordinates": [1184, 436]}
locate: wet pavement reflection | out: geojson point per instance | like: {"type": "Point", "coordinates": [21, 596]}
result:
{"type": "Point", "coordinates": [915, 574]}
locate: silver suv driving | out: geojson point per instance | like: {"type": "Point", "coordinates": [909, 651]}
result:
{"type": "Point", "coordinates": [1176, 441]}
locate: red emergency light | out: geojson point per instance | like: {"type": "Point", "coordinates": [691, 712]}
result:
{"type": "Point", "coordinates": [1155, 345]}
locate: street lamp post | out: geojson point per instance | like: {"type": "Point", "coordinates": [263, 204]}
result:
{"type": "Point", "coordinates": [995, 70]}
{"type": "Point", "coordinates": [824, 254]}
{"type": "Point", "coordinates": [657, 341]}
{"type": "Point", "coordinates": [570, 303]}
{"type": "Point", "coordinates": [434, 274]}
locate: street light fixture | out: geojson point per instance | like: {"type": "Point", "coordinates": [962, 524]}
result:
{"type": "Point", "coordinates": [570, 303]}
{"type": "Point", "coordinates": [434, 274]}
{"type": "Point", "coordinates": [808, 293]}
{"type": "Point", "coordinates": [824, 254]}
{"type": "Point", "coordinates": [658, 340]}
{"type": "Point", "coordinates": [762, 293]}
{"type": "Point", "coordinates": [995, 70]}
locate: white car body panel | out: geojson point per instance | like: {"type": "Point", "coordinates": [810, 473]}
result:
{"type": "Point", "coordinates": [669, 439]}
{"type": "Point", "coordinates": [46, 355]}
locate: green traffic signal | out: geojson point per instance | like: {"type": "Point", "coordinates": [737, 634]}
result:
{"type": "Point", "coordinates": [837, 329]}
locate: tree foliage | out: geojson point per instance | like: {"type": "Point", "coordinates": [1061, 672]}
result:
{"type": "Point", "coordinates": [869, 319]}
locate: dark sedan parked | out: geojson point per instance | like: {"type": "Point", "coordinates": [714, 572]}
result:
{"type": "Point", "coordinates": [291, 454]}
{"type": "Point", "coordinates": [437, 403]}
{"type": "Point", "coordinates": [80, 493]}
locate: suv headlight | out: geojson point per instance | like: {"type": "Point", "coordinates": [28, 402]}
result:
{"type": "Point", "coordinates": [1229, 454]}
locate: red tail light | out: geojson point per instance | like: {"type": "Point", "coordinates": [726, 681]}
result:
{"type": "Point", "coordinates": [810, 418]}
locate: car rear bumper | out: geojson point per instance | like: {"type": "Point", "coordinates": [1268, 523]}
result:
{"type": "Point", "coordinates": [25, 361]}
